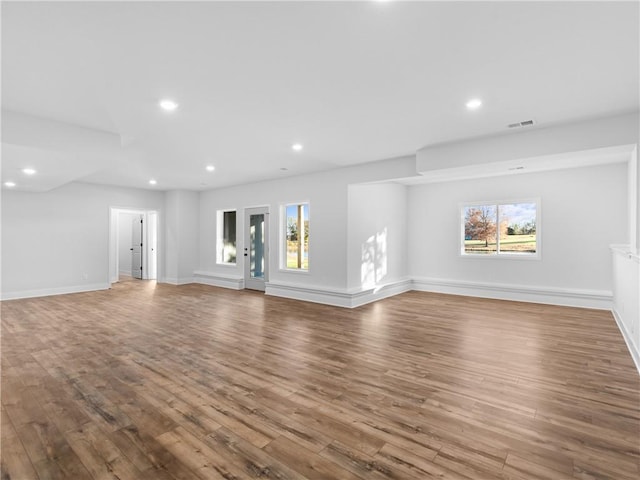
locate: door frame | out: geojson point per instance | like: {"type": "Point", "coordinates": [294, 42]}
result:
{"type": "Point", "coordinates": [249, 282]}
{"type": "Point", "coordinates": [141, 243]}
{"type": "Point", "coordinates": [148, 271]}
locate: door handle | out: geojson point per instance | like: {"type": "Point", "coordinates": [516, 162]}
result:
{"type": "Point", "coordinates": [131, 249]}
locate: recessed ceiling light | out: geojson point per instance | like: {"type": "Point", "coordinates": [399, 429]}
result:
{"type": "Point", "coordinates": [153, 182]}
{"type": "Point", "coordinates": [168, 105]}
{"type": "Point", "coordinates": [210, 168]}
{"type": "Point", "coordinates": [284, 169]}
{"type": "Point", "coordinates": [474, 104]}
{"type": "Point", "coordinates": [297, 147]}
{"type": "Point", "coordinates": [28, 171]}
{"type": "Point", "coordinates": [9, 184]}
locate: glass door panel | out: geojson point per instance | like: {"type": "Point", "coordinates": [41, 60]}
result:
{"type": "Point", "coordinates": [256, 248]}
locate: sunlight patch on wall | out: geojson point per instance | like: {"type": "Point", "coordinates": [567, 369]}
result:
{"type": "Point", "coordinates": [374, 259]}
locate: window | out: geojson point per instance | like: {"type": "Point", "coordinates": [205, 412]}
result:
{"type": "Point", "coordinates": [296, 245]}
{"type": "Point", "coordinates": [491, 229]}
{"type": "Point", "coordinates": [226, 237]}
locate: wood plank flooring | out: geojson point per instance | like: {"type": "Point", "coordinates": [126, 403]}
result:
{"type": "Point", "coordinates": [149, 381]}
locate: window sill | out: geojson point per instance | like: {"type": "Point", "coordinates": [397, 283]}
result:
{"type": "Point", "coordinates": [503, 256]}
{"type": "Point", "coordinates": [230, 265]}
{"type": "Point", "coordinates": [294, 270]}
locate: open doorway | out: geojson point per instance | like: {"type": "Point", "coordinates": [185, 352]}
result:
{"type": "Point", "coordinates": [133, 249]}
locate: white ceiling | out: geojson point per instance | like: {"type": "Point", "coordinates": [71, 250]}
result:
{"type": "Point", "coordinates": [353, 81]}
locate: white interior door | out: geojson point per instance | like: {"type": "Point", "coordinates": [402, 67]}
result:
{"type": "Point", "coordinates": [136, 246]}
{"type": "Point", "coordinates": [152, 245]}
{"type": "Point", "coordinates": [256, 248]}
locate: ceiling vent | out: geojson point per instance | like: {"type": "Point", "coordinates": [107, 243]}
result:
{"type": "Point", "coordinates": [526, 123]}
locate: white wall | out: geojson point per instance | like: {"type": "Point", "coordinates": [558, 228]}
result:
{"type": "Point", "coordinates": [536, 143]}
{"type": "Point", "coordinates": [58, 241]}
{"type": "Point", "coordinates": [125, 242]}
{"type": "Point", "coordinates": [181, 253]}
{"type": "Point", "coordinates": [634, 201]}
{"type": "Point", "coordinates": [626, 301]}
{"type": "Point", "coordinates": [377, 234]}
{"type": "Point", "coordinates": [583, 211]}
{"type": "Point", "coordinates": [327, 195]}
{"type": "Point", "coordinates": [327, 227]}
{"type": "Point", "coordinates": [340, 226]}
{"type": "Point", "coordinates": [626, 268]}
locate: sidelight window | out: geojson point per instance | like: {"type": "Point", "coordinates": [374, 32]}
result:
{"type": "Point", "coordinates": [226, 237]}
{"type": "Point", "coordinates": [296, 235]}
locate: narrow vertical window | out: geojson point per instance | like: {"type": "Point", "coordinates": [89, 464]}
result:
{"type": "Point", "coordinates": [296, 248]}
{"type": "Point", "coordinates": [226, 237]}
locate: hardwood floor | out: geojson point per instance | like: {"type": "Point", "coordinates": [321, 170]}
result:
{"type": "Point", "coordinates": [196, 382]}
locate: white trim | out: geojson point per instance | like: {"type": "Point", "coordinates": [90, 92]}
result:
{"type": "Point", "coordinates": [178, 281]}
{"type": "Point", "coordinates": [625, 251]}
{"type": "Point", "coordinates": [625, 306]}
{"type": "Point", "coordinates": [215, 279]}
{"type": "Point", "coordinates": [313, 294]}
{"type": "Point", "coordinates": [220, 236]}
{"type": "Point", "coordinates": [282, 250]}
{"type": "Point", "coordinates": [114, 241]}
{"type": "Point", "coordinates": [503, 255]}
{"type": "Point", "coordinates": [598, 299]}
{"type": "Point", "coordinates": [250, 282]}
{"type": "Point", "coordinates": [46, 292]}
{"type": "Point", "coordinates": [381, 291]}
{"type": "Point", "coordinates": [295, 271]}
{"type": "Point", "coordinates": [628, 339]}
{"type": "Point", "coordinates": [338, 298]}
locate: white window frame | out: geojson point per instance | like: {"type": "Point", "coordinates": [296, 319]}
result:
{"type": "Point", "coordinates": [503, 255]}
{"type": "Point", "coordinates": [283, 238]}
{"type": "Point", "coordinates": [220, 237]}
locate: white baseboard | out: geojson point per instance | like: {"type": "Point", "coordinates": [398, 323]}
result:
{"type": "Point", "coordinates": [46, 292]}
{"type": "Point", "coordinates": [598, 299]}
{"type": "Point", "coordinates": [354, 298]}
{"type": "Point", "coordinates": [379, 292]}
{"type": "Point", "coordinates": [628, 338]}
{"type": "Point", "coordinates": [125, 272]}
{"type": "Point", "coordinates": [218, 280]}
{"type": "Point", "coordinates": [325, 296]}
{"type": "Point", "coordinates": [178, 281]}
{"type": "Point", "coordinates": [337, 298]}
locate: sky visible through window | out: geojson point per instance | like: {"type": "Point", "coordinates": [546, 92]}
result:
{"type": "Point", "coordinates": [292, 212]}
{"type": "Point", "coordinates": [519, 213]}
